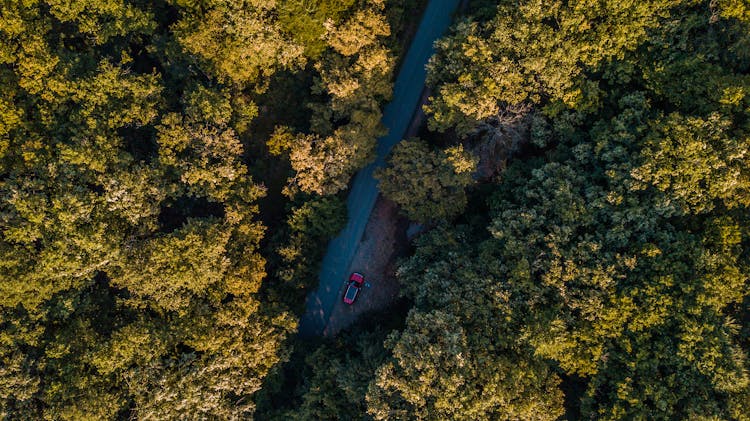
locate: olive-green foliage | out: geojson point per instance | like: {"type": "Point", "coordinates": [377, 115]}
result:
{"type": "Point", "coordinates": [619, 276]}
{"type": "Point", "coordinates": [461, 354]}
{"type": "Point", "coordinates": [536, 52]}
{"type": "Point", "coordinates": [618, 253]}
{"type": "Point", "coordinates": [428, 185]}
{"type": "Point", "coordinates": [353, 79]}
{"type": "Point", "coordinates": [309, 228]}
{"type": "Point", "coordinates": [340, 373]}
{"type": "Point", "coordinates": [168, 271]}
{"type": "Point", "coordinates": [130, 270]}
{"type": "Point", "coordinates": [615, 253]}
{"type": "Point", "coordinates": [241, 41]}
{"type": "Point", "coordinates": [699, 162]}
{"type": "Point", "coordinates": [306, 21]}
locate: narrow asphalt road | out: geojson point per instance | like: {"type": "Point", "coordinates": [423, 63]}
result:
{"type": "Point", "coordinates": [364, 192]}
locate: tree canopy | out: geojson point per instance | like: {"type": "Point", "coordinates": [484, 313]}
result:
{"type": "Point", "coordinates": [171, 171]}
{"type": "Point", "coordinates": [618, 240]}
{"type": "Point", "coordinates": [427, 185]}
{"type": "Point", "coordinates": [135, 278]}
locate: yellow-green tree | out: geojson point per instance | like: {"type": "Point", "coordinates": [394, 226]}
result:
{"type": "Point", "coordinates": [428, 185]}
{"type": "Point", "coordinates": [240, 42]}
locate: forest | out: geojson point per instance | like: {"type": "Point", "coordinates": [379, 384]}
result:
{"type": "Point", "coordinates": [171, 172]}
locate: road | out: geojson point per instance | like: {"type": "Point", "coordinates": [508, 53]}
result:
{"type": "Point", "coordinates": [396, 117]}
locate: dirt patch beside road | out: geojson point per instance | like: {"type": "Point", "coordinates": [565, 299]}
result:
{"type": "Point", "coordinates": [383, 242]}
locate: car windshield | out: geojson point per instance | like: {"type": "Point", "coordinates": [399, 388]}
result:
{"type": "Point", "coordinates": [351, 292]}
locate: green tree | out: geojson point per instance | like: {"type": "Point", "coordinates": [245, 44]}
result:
{"type": "Point", "coordinates": [307, 23]}
{"type": "Point", "coordinates": [340, 375]}
{"type": "Point", "coordinates": [534, 52]}
{"type": "Point", "coordinates": [309, 227]}
{"type": "Point", "coordinates": [462, 353]}
{"type": "Point", "coordinates": [353, 80]}
{"type": "Point", "coordinates": [617, 247]}
{"type": "Point", "coordinates": [112, 136]}
{"type": "Point", "coordinates": [241, 42]}
{"type": "Point", "coordinates": [428, 185]}
{"type": "Point", "coordinates": [699, 162]}
{"type": "Point", "coordinates": [438, 371]}
{"type": "Point", "coordinates": [169, 271]}
{"type": "Point", "coordinates": [361, 30]}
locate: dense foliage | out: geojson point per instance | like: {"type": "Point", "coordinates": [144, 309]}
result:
{"type": "Point", "coordinates": [617, 251]}
{"type": "Point", "coordinates": [603, 274]}
{"type": "Point", "coordinates": [132, 281]}
{"type": "Point", "coordinates": [169, 177]}
{"type": "Point", "coordinates": [427, 185]}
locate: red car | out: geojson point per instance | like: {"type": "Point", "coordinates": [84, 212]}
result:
{"type": "Point", "coordinates": [352, 288]}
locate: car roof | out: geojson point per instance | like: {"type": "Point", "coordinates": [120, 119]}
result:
{"type": "Point", "coordinates": [351, 291]}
